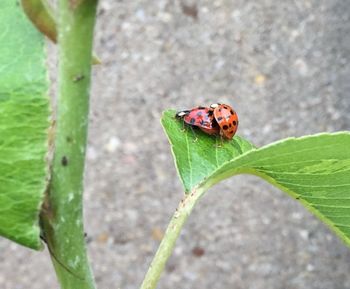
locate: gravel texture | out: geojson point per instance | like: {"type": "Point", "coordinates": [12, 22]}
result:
{"type": "Point", "coordinates": [283, 65]}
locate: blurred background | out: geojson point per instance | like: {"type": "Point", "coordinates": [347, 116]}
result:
{"type": "Point", "coordinates": [283, 66]}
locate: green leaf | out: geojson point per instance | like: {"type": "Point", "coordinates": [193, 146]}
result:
{"type": "Point", "coordinates": [24, 122]}
{"type": "Point", "coordinates": [314, 169]}
{"type": "Point", "coordinates": [196, 160]}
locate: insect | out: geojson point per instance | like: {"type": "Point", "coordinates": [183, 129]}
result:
{"type": "Point", "coordinates": [201, 117]}
{"type": "Point", "coordinates": [226, 118]}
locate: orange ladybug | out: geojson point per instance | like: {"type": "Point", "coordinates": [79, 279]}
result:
{"type": "Point", "coordinates": [226, 118]}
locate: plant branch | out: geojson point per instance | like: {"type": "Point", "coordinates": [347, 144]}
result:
{"type": "Point", "coordinates": [172, 233]}
{"type": "Point", "coordinates": [39, 12]}
{"type": "Point", "coordinates": [62, 216]}
{"type": "Point", "coordinates": [43, 17]}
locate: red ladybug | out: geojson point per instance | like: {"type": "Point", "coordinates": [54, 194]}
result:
{"type": "Point", "coordinates": [202, 117]}
{"type": "Point", "coordinates": [226, 118]}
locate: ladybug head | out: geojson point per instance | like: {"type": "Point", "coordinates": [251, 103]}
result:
{"type": "Point", "coordinates": [182, 113]}
{"type": "Point", "coordinates": [215, 105]}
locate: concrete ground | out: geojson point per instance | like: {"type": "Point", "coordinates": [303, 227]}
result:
{"type": "Point", "coordinates": [283, 65]}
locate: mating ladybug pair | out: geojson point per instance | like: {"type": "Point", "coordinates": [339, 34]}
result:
{"type": "Point", "coordinates": [218, 119]}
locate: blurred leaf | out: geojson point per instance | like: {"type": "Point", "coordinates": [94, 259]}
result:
{"type": "Point", "coordinates": [313, 169]}
{"type": "Point", "coordinates": [24, 122]}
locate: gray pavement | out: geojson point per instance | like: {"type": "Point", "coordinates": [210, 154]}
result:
{"type": "Point", "coordinates": [284, 67]}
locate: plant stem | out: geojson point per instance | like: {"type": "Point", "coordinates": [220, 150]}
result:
{"type": "Point", "coordinates": [62, 216]}
{"type": "Point", "coordinates": [167, 245]}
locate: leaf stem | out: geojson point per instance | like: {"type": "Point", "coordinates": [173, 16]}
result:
{"type": "Point", "coordinates": [39, 12]}
{"type": "Point", "coordinates": [62, 216]}
{"type": "Point", "coordinates": [172, 233]}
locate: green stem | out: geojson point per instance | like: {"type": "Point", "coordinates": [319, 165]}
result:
{"type": "Point", "coordinates": [62, 217]}
{"type": "Point", "coordinates": [172, 233]}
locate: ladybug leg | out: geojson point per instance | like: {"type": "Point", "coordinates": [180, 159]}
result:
{"type": "Point", "coordinates": [221, 143]}
{"type": "Point", "coordinates": [194, 134]}
{"type": "Point", "coordinates": [218, 145]}
{"type": "Point", "coordinates": [183, 126]}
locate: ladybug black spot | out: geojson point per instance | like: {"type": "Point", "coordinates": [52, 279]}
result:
{"type": "Point", "coordinates": [225, 107]}
{"type": "Point", "coordinates": [234, 123]}
{"type": "Point", "coordinates": [219, 118]}
{"type": "Point", "coordinates": [192, 121]}
{"type": "Point", "coordinates": [230, 132]}
{"type": "Point", "coordinates": [232, 112]}
{"type": "Point", "coordinates": [225, 127]}
{"type": "Point", "coordinates": [230, 125]}
{"type": "Point", "coordinates": [199, 113]}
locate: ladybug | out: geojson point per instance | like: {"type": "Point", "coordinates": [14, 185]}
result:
{"type": "Point", "coordinates": [226, 118]}
{"type": "Point", "coordinates": [201, 117]}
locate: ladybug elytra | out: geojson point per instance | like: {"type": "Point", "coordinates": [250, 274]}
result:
{"type": "Point", "coordinates": [201, 117]}
{"type": "Point", "coordinates": [218, 119]}
{"type": "Point", "coordinates": [226, 118]}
